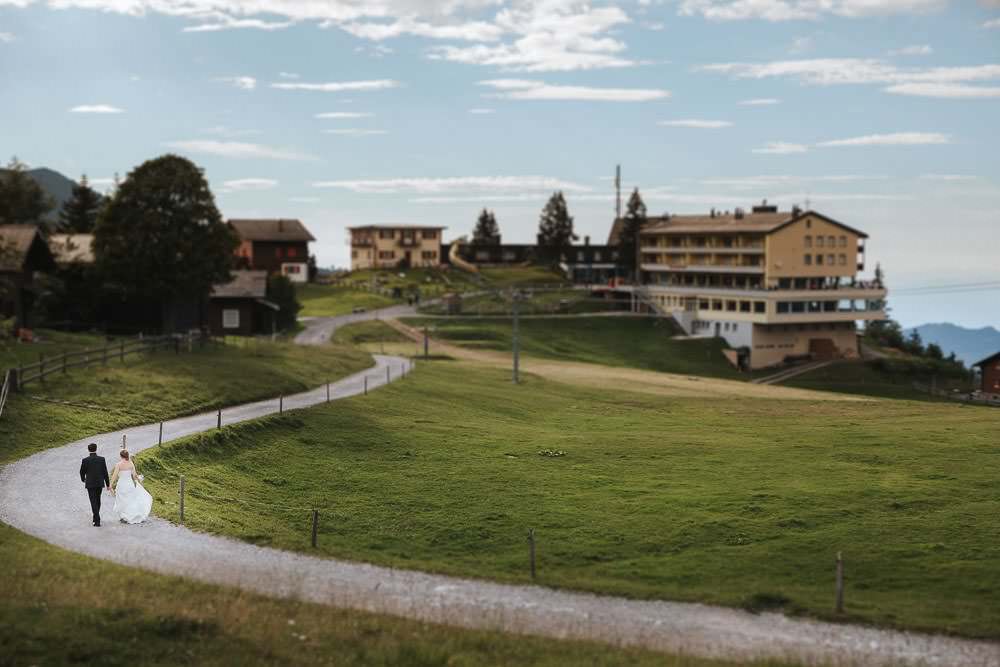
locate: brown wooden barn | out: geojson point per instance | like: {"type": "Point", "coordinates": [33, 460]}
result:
{"type": "Point", "coordinates": [240, 307]}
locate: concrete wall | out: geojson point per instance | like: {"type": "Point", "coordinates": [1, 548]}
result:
{"type": "Point", "coordinates": [787, 247]}
{"type": "Point", "coordinates": [771, 344]}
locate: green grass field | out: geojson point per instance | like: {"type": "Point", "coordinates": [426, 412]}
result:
{"type": "Point", "coordinates": [372, 331]}
{"type": "Point", "coordinates": [635, 342]}
{"type": "Point", "coordinates": [48, 343]}
{"type": "Point", "coordinates": [522, 275]}
{"type": "Point", "coordinates": [536, 302]}
{"type": "Point", "coordinates": [332, 300]}
{"type": "Point", "coordinates": [867, 378]}
{"type": "Point", "coordinates": [737, 503]}
{"type": "Point", "coordinates": [163, 385]}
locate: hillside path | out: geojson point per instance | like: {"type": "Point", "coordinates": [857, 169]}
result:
{"type": "Point", "coordinates": [61, 516]}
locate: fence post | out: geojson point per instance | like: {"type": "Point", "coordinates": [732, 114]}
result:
{"type": "Point", "coordinates": [182, 499]}
{"type": "Point", "coordinates": [219, 422]}
{"type": "Point", "coordinates": [839, 607]}
{"type": "Point", "coordinates": [366, 385]}
{"type": "Point", "coordinates": [531, 551]}
{"type": "Point", "coordinates": [315, 527]}
{"type": "Point", "coordinates": [159, 440]}
{"type": "Point", "coordinates": [387, 379]}
{"type": "Point", "coordinates": [281, 404]}
{"type": "Point", "coordinates": [328, 391]}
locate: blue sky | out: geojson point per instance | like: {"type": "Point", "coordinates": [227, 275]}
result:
{"type": "Point", "coordinates": [880, 113]}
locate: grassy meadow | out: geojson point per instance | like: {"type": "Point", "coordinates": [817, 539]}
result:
{"type": "Point", "coordinates": [634, 342]}
{"type": "Point", "coordinates": [736, 503]}
{"type": "Point", "coordinates": [333, 300]}
{"type": "Point", "coordinates": [161, 385]}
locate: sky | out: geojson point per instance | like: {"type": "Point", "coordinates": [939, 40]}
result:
{"type": "Point", "coordinates": [883, 114]}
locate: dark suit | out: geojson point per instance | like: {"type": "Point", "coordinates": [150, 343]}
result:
{"type": "Point", "coordinates": [94, 475]}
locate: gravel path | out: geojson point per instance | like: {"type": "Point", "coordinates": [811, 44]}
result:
{"type": "Point", "coordinates": [61, 516]}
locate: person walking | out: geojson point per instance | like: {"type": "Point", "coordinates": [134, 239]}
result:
{"type": "Point", "coordinates": [94, 475]}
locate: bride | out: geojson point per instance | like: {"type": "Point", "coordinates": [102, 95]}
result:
{"type": "Point", "coordinates": [132, 502]}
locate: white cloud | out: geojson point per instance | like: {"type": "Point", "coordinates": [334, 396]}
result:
{"type": "Point", "coordinates": [481, 111]}
{"type": "Point", "coordinates": [655, 26]}
{"type": "Point", "coordinates": [833, 71]}
{"type": "Point", "coordinates": [229, 23]}
{"type": "Point", "coordinates": [345, 114]}
{"type": "Point", "coordinates": [288, 75]}
{"type": "Point", "coordinates": [454, 184]}
{"type": "Point", "coordinates": [241, 82]}
{"type": "Point", "coordinates": [759, 102]}
{"type": "Point", "coordinates": [355, 132]}
{"type": "Point", "coordinates": [947, 177]}
{"type": "Point", "coordinates": [992, 23]}
{"type": "Point", "coordinates": [915, 50]}
{"type": "Point", "coordinates": [695, 123]}
{"type": "Point", "coordinates": [226, 131]}
{"type": "Point", "coordinates": [944, 90]}
{"type": "Point", "coordinates": [249, 184]}
{"type": "Point", "coordinates": [96, 108]}
{"type": "Point", "coordinates": [520, 89]}
{"type": "Point", "coordinates": [769, 181]}
{"type": "Point", "coordinates": [893, 139]}
{"type": "Point", "coordinates": [100, 182]}
{"type": "Point", "coordinates": [6, 37]}
{"type": "Point", "coordinates": [236, 149]}
{"type": "Point", "coordinates": [339, 86]}
{"type": "Point", "coordinates": [781, 148]}
{"type": "Point", "coordinates": [792, 10]}
{"type": "Point", "coordinates": [473, 31]}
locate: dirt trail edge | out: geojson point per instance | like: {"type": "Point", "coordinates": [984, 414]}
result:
{"type": "Point", "coordinates": [61, 516]}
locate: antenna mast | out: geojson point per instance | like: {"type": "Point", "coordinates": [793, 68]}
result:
{"type": "Point", "coordinates": [618, 191]}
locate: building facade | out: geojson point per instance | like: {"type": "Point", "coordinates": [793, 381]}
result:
{"type": "Point", "coordinates": [277, 246]}
{"type": "Point", "coordinates": [240, 307]}
{"type": "Point", "coordinates": [392, 246]}
{"type": "Point", "coordinates": [777, 286]}
{"type": "Point", "coordinates": [989, 376]}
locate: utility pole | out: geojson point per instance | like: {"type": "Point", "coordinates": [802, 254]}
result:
{"type": "Point", "coordinates": [516, 344]}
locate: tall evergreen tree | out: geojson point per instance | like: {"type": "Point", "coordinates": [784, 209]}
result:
{"type": "Point", "coordinates": [161, 238]}
{"type": "Point", "coordinates": [487, 232]}
{"type": "Point", "coordinates": [22, 200]}
{"type": "Point", "coordinates": [79, 212]}
{"type": "Point", "coordinates": [555, 227]}
{"type": "Point", "coordinates": [628, 240]}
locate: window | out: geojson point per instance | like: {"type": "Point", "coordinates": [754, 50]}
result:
{"type": "Point", "coordinates": [579, 256]}
{"type": "Point", "coordinates": [731, 305]}
{"type": "Point", "coordinates": [278, 252]}
{"type": "Point", "coordinates": [230, 318]}
{"type": "Point", "coordinates": [291, 252]}
{"type": "Point", "coordinates": [809, 242]}
{"type": "Point", "coordinates": [842, 259]}
{"type": "Point", "coordinates": [829, 259]}
{"type": "Point", "coordinates": [482, 255]}
{"type": "Point", "coordinates": [386, 254]}
{"type": "Point", "coordinates": [843, 241]}
{"type": "Point", "coordinates": [509, 256]}
{"type": "Point", "coordinates": [703, 304]}
{"type": "Point", "coordinates": [716, 304]}
{"type": "Point", "coordinates": [429, 234]}
{"type": "Point", "coordinates": [758, 307]}
{"type": "Point", "coordinates": [819, 260]}
{"type": "Point", "coordinates": [831, 242]}
{"type": "Point", "coordinates": [782, 306]}
{"type": "Point", "coordinates": [809, 223]}
{"type": "Point", "coordinates": [354, 254]}
{"type": "Point", "coordinates": [428, 254]}
{"type": "Point", "coordinates": [294, 269]}
{"type": "Point", "coordinates": [807, 259]}
{"type": "Point", "coordinates": [819, 241]}
{"type": "Point", "coordinates": [744, 306]}
{"type": "Point", "coordinates": [387, 233]}
{"type": "Point", "coordinates": [597, 256]}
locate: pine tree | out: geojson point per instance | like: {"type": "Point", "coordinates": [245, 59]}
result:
{"type": "Point", "coordinates": [628, 239]}
{"type": "Point", "coordinates": [555, 227]}
{"type": "Point", "coordinates": [22, 200]}
{"type": "Point", "coordinates": [487, 232]}
{"type": "Point", "coordinates": [79, 212]}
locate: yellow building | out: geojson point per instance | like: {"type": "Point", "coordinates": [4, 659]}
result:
{"type": "Point", "coordinates": [775, 285]}
{"type": "Point", "coordinates": [391, 246]}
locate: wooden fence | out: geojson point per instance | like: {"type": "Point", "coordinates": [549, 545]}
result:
{"type": "Point", "coordinates": [15, 378]}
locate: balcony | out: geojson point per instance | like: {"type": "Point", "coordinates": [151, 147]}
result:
{"type": "Point", "coordinates": [409, 241]}
{"type": "Point", "coordinates": [705, 268]}
{"type": "Point", "coordinates": [362, 242]}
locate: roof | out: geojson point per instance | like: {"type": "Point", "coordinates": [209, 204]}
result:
{"type": "Point", "coordinates": [16, 243]}
{"type": "Point", "coordinates": [987, 360]}
{"type": "Point", "coordinates": [244, 285]}
{"type": "Point", "coordinates": [72, 248]}
{"type": "Point", "coordinates": [761, 223]}
{"type": "Point", "coordinates": [271, 229]}
{"type": "Point", "coordinates": [398, 227]}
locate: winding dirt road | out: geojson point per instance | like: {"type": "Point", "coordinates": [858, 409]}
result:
{"type": "Point", "coordinates": [61, 516]}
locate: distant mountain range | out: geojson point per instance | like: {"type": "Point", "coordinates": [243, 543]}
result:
{"type": "Point", "coordinates": [969, 345]}
{"type": "Point", "coordinates": [55, 185]}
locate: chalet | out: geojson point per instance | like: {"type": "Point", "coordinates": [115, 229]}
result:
{"type": "Point", "coordinates": [989, 371]}
{"type": "Point", "coordinates": [277, 246]}
{"type": "Point", "coordinates": [240, 307]}
{"type": "Point", "coordinates": [23, 253]}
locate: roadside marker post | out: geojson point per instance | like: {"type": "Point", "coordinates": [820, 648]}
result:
{"type": "Point", "coordinates": [182, 499]}
{"type": "Point", "coordinates": [219, 422]}
{"type": "Point", "coordinates": [159, 440]}
{"type": "Point", "coordinates": [366, 385]}
{"type": "Point", "coordinates": [315, 527]}
{"type": "Point", "coordinates": [531, 551]}
{"type": "Point", "coordinates": [387, 379]}
{"type": "Point", "coordinates": [281, 404]}
{"type": "Point", "coordinates": [328, 391]}
{"type": "Point", "coordinates": [839, 607]}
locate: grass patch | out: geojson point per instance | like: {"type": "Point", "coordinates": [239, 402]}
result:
{"type": "Point", "coordinates": [522, 275]}
{"type": "Point", "coordinates": [634, 342]}
{"type": "Point", "coordinates": [874, 378]}
{"type": "Point", "coordinates": [162, 385]}
{"type": "Point", "coordinates": [737, 503]}
{"type": "Point", "coordinates": [332, 300]}
{"type": "Point", "coordinates": [372, 331]}
{"type": "Point", "coordinates": [535, 302]}
{"type": "Point", "coordinates": [62, 608]}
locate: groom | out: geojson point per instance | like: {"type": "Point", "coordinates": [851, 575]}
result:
{"type": "Point", "coordinates": [94, 475]}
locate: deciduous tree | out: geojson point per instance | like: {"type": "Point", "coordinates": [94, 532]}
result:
{"type": "Point", "coordinates": [22, 200]}
{"type": "Point", "coordinates": [162, 238]}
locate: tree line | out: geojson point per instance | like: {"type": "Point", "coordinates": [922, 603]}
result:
{"type": "Point", "coordinates": [159, 242]}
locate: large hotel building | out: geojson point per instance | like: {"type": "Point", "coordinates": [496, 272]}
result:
{"type": "Point", "coordinates": [773, 284]}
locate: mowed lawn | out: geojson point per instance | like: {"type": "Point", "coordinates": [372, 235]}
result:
{"type": "Point", "coordinates": [162, 385]}
{"type": "Point", "coordinates": [635, 342]}
{"type": "Point", "coordinates": [730, 502]}
{"type": "Point", "coordinates": [332, 300]}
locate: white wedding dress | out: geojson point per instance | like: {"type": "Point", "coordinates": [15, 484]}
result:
{"type": "Point", "coordinates": [132, 502]}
